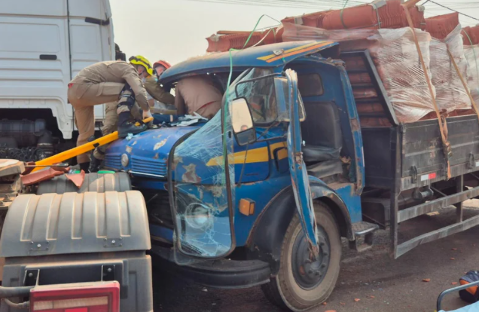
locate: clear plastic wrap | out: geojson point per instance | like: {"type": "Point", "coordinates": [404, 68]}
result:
{"type": "Point", "coordinates": [471, 53]}
{"type": "Point", "coordinates": [395, 56]}
{"type": "Point", "coordinates": [450, 92]}
{"type": "Point", "coordinates": [397, 60]}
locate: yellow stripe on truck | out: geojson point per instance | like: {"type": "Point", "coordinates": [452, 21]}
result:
{"type": "Point", "coordinates": [305, 48]}
{"type": "Point", "coordinates": [267, 57]}
{"type": "Point", "coordinates": [255, 155]}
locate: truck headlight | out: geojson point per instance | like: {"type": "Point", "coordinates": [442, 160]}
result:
{"type": "Point", "coordinates": [124, 160]}
{"type": "Point", "coordinates": [198, 216]}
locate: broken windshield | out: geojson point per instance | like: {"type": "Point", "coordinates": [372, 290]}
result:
{"type": "Point", "coordinates": [202, 196]}
{"type": "Point", "coordinates": [257, 87]}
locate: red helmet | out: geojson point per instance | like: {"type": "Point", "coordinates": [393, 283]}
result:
{"type": "Point", "coordinates": [162, 63]}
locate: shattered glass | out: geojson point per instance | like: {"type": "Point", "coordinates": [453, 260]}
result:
{"type": "Point", "coordinates": [261, 88]}
{"type": "Point", "coordinates": [260, 94]}
{"type": "Point", "coordinates": [203, 214]}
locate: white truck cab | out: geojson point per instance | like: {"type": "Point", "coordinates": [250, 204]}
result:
{"type": "Point", "coordinates": [44, 45]}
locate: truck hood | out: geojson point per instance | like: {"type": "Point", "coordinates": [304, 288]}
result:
{"type": "Point", "coordinates": [146, 154]}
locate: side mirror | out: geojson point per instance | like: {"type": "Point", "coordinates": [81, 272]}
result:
{"type": "Point", "coordinates": [242, 122]}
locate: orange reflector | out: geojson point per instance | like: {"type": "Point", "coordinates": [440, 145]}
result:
{"type": "Point", "coordinates": [247, 206]}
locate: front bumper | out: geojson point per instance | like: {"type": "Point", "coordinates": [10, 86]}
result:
{"type": "Point", "coordinates": [222, 273]}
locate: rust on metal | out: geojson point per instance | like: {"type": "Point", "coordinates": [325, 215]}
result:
{"type": "Point", "coordinates": [190, 175]}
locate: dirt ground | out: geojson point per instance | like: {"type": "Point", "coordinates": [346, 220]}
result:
{"type": "Point", "coordinates": [379, 282]}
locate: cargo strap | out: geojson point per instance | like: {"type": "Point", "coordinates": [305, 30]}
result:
{"type": "Point", "coordinates": [464, 83]}
{"type": "Point", "coordinates": [446, 146]}
{"type": "Point", "coordinates": [473, 51]}
{"type": "Point", "coordinates": [341, 14]}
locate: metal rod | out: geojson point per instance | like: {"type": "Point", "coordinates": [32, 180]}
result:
{"type": "Point", "coordinates": [438, 191]}
{"type": "Point", "coordinates": [459, 206]}
{"type": "Point", "coordinates": [40, 166]}
{"type": "Point", "coordinates": [450, 290]}
{"type": "Point", "coordinates": [435, 235]}
{"type": "Point", "coordinates": [393, 208]}
{"type": "Point", "coordinates": [434, 205]}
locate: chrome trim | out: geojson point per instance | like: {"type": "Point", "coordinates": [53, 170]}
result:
{"type": "Point", "coordinates": [147, 174]}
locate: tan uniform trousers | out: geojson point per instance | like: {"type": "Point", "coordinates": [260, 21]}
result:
{"type": "Point", "coordinates": [83, 97]}
{"type": "Point", "coordinates": [110, 123]}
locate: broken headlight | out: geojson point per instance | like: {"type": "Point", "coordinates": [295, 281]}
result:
{"type": "Point", "coordinates": [198, 216]}
{"type": "Point", "coordinates": [124, 160]}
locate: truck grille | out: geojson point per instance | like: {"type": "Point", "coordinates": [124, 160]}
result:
{"type": "Point", "coordinates": [113, 161]}
{"type": "Point", "coordinates": [148, 166]}
{"type": "Point", "coordinates": [158, 205]}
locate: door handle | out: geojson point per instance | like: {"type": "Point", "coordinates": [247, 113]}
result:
{"type": "Point", "coordinates": [48, 57]}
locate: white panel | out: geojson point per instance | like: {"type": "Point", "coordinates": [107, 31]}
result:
{"type": "Point", "coordinates": [28, 82]}
{"type": "Point", "coordinates": [30, 38]}
{"type": "Point", "coordinates": [86, 40]}
{"type": "Point", "coordinates": [87, 8]}
{"type": "Point", "coordinates": [33, 7]}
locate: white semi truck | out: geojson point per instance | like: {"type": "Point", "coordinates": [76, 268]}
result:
{"type": "Point", "coordinates": [44, 45]}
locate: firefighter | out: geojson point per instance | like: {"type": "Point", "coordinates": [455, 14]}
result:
{"type": "Point", "coordinates": [111, 81]}
{"type": "Point", "coordinates": [154, 88]}
{"type": "Point", "coordinates": [197, 94]}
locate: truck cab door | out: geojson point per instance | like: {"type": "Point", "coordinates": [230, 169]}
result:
{"type": "Point", "coordinates": [299, 175]}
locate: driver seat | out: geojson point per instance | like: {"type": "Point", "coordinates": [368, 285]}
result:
{"type": "Point", "coordinates": [321, 132]}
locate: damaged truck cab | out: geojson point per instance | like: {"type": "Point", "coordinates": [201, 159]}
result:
{"type": "Point", "coordinates": [262, 193]}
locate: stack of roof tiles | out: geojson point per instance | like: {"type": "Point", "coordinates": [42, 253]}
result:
{"type": "Point", "coordinates": [224, 41]}
{"type": "Point", "coordinates": [382, 28]}
{"type": "Point", "coordinates": [470, 35]}
{"type": "Point", "coordinates": [442, 25]}
{"type": "Point", "coordinates": [379, 14]}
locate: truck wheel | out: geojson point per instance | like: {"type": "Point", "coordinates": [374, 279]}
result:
{"type": "Point", "coordinates": [300, 283]}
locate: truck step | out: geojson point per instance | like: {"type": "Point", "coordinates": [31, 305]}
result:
{"type": "Point", "coordinates": [364, 233]}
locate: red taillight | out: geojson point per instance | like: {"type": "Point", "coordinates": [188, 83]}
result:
{"type": "Point", "coordinates": [81, 297]}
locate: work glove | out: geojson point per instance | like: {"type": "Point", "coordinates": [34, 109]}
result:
{"type": "Point", "coordinates": [147, 114]}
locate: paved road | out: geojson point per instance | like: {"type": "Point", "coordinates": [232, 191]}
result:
{"type": "Point", "coordinates": [396, 285]}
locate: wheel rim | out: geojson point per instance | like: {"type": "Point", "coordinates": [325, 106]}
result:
{"type": "Point", "coordinates": [310, 273]}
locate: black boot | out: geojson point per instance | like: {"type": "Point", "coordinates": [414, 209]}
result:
{"type": "Point", "coordinates": [84, 166]}
{"type": "Point", "coordinates": [95, 164]}
{"type": "Point", "coordinates": [130, 127]}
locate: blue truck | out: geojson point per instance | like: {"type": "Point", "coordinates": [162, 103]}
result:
{"type": "Point", "coordinates": [264, 192]}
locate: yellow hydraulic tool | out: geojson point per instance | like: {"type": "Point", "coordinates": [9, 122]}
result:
{"type": "Point", "coordinates": [58, 158]}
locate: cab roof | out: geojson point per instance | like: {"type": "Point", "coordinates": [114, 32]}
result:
{"type": "Point", "coordinates": [271, 55]}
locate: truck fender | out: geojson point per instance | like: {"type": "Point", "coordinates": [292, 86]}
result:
{"type": "Point", "coordinates": [265, 239]}
{"type": "Point", "coordinates": [320, 191]}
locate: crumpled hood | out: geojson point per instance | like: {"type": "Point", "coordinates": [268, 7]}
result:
{"type": "Point", "coordinates": [147, 152]}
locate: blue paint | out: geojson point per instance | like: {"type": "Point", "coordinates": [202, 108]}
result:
{"type": "Point", "coordinates": [261, 193]}
{"type": "Point", "coordinates": [352, 201]}
{"type": "Point", "coordinates": [242, 60]}
{"type": "Point", "coordinates": [297, 167]}
{"type": "Point", "coordinates": [161, 231]}
{"type": "Point", "coordinates": [147, 152]}
{"type": "Point", "coordinates": [261, 181]}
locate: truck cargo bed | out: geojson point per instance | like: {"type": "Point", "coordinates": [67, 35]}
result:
{"type": "Point", "coordinates": [421, 158]}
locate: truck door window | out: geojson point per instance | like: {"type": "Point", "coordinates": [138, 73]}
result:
{"type": "Point", "coordinates": [310, 85]}
{"type": "Point", "coordinates": [260, 94]}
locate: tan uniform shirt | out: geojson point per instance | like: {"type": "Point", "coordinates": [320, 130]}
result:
{"type": "Point", "coordinates": [157, 91]}
{"type": "Point", "coordinates": [114, 71]}
{"type": "Point", "coordinates": [197, 94]}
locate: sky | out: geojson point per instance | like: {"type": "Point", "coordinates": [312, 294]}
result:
{"type": "Point", "coordinates": [175, 30]}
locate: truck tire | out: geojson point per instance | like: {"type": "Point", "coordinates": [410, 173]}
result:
{"type": "Point", "coordinates": [300, 284]}
{"type": "Point", "coordinates": [94, 182]}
